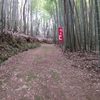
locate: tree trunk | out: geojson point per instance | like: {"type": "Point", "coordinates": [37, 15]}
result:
{"type": "Point", "coordinates": [24, 16]}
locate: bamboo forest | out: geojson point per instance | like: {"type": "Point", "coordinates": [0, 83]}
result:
{"type": "Point", "coordinates": [49, 49]}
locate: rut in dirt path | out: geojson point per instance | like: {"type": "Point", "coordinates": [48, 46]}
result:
{"type": "Point", "coordinates": [43, 74]}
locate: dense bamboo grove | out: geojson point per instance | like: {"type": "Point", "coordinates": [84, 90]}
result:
{"type": "Point", "coordinates": [28, 16]}
{"type": "Point", "coordinates": [79, 19]}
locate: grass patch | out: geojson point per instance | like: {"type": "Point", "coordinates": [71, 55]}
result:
{"type": "Point", "coordinates": [1, 61]}
{"type": "Point", "coordinates": [37, 98]}
{"type": "Point", "coordinates": [55, 75]}
{"type": "Point", "coordinates": [16, 87]}
{"type": "Point", "coordinates": [45, 49]}
{"type": "Point", "coordinates": [30, 76]}
{"type": "Point", "coordinates": [29, 85]}
{"type": "Point", "coordinates": [0, 83]}
{"type": "Point", "coordinates": [88, 98]}
{"type": "Point", "coordinates": [20, 76]}
{"type": "Point", "coordinates": [14, 68]}
{"type": "Point", "coordinates": [53, 49]}
{"type": "Point", "coordinates": [37, 58]}
{"type": "Point", "coordinates": [42, 79]}
{"type": "Point", "coordinates": [59, 62]}
{"type": "Point", "coordinates": [47, 97]}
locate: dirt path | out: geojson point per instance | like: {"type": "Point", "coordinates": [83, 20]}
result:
{"type": "Point", "coordinates": [45, 74]}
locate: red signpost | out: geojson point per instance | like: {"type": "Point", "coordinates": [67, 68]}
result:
{"type": "Point", "coordinates": [60, 34]}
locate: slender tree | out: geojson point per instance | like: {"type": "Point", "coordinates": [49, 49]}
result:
{"type": "Point", "coordinates": [24, 16]}
{"type": "Point", "coordinates": [2, 16]}
{"type": "Point", "coordinates": [98, 25]}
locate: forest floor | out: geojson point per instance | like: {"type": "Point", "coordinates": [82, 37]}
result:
{"type": "Point", "coordinates": [45, 73]}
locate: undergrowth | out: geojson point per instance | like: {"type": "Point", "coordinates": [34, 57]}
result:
{"type": "Point", "coordinates": [10, 47]}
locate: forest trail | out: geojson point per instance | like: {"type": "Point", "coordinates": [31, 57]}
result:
{"type": "Point", "coordinates": [44, 73]}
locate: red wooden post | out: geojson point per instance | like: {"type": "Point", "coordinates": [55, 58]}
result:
{"type": "Point", "coordinates": [60, 34]}
{"type": "Point", "coordinates": [60, 37]}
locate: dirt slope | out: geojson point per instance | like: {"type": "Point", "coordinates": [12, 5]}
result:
{"type": "Point", "coordinates": [45, 74]}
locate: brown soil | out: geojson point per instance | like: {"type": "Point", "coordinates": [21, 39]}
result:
{"type": "Point", "coordinates": [46, 74]}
